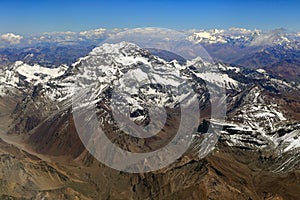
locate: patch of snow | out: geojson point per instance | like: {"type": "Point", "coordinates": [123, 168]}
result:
{"type": "Point", "coordinates": [262, 71]}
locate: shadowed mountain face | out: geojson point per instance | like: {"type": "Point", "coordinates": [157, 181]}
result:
{"type": "Point", "coordinates": [167, 55]}
{"type": "Point", "coordinates": [256, 155]}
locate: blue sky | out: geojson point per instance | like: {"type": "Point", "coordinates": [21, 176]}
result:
{"type": "Point", "coordinates": [29, 16]}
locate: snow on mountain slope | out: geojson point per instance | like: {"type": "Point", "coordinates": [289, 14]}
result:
{"type": "Point", "coordinates": [215, 73]}
{"type": "Point", "coordinates": [255, 121]}
{"type": "Point", "coordinates": [31, 74]}
{"type": "Point", "coordinates": [211, 37]}
{"type": "Point", "coordinates": [21, 76]}
{"type": "Point", "coordinates": [262, 112]}
{"type": "Point", "coordinates": [37, 74]}
{"type": "Point", "coordinates": [221, 36]}
{"type": "Point", "coordinates": [288, 141]}
{"type": "Point", "coordinates": [220, 79]}
{"type": "Point", "coordinates": [242, 36]}
{"type": "Point", "coordinates": [144, 79]}
{"type": "Point", "coordinates": [260, 122]}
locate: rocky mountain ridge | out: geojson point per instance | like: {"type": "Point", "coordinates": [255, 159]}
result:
{"type": "Point", "coordinates": [261, 121]}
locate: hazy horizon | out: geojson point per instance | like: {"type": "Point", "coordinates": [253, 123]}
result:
{"type": "Point", "coordinates": [32, 17]}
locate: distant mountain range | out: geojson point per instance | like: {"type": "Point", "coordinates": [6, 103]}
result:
{"type": "Point", "coordinates": [275, 51]}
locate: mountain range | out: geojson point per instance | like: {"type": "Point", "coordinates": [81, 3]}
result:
{"type": "Point", "coordinates": [276, 51]}
{"type": "Point", "coordinates": [248, 92]}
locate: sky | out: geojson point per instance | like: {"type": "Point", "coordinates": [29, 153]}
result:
{"type": "Point", "coordinates": [37, 16]}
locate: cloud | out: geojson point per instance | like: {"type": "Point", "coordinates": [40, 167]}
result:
{"type": "Point", "coordinates": [11, 38]}
{"type": "Point", "coordinates": [93, 33]}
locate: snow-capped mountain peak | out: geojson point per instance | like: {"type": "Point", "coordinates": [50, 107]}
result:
{"type": "Point", "coordinates": [34, 74]}
{"type": "Point", "coordinates": [241, 36]}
